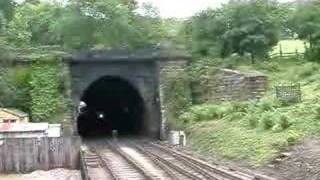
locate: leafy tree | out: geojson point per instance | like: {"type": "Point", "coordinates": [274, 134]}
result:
{"type": "Point", "coordinates": [84, 24]}
{"type": "Point", "coordinates": [18, 31]}
{"type": "Point", "coordinates": [306, 24]}
{"type": "Point", "coordinates": [242, 26]}
{"type": "Point", "coordinates": [207, 29]}
{"type": "Point", "coordinates": [33, 25]}
{"type": "Point", "coordinates": [7, 8]}
{"type": "Point", "coordinates": [251, 34]}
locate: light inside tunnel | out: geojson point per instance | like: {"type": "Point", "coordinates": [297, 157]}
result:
{"type": "Point", "coordinates": [112, 103]}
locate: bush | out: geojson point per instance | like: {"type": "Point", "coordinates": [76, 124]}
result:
{"type": "Point", "coordinates": [14, 88]}
{"type": "Point", "coordinates": [279, 143]}
{"type": "Point", "coordinates": [187, 117]}
{"type": "Point", "coordinates": [177, 95]}
{"type": "Point", "coordinates": [293, 137]}
{"type": "Point", "coordinates": [313, 54]}
{"type": "Point", "coordinates": [317, 112]}
{"type": "Point", "coordinates": [253, 120]}
{"type": "Point", "coordinates": [205, 112]}
{"type": "Point", "coordinates": [271, 66]}
{"type": "Point", "coordinates": [284, 122]}
{"type": "Point", "coordinates": [308, 70]}
{"type": "Point", "coordinates": [267, 120]}
{"type": "Point", "coordinates": [266, 105]}
{"type": "Point", "coordinates": [240, 106]}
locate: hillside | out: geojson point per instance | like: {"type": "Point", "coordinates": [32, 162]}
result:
{"type": "Point", "coordinates": [255, 132]}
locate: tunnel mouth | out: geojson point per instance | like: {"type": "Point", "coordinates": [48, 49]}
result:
{"type": "Point", "coordinates": [111, 104]}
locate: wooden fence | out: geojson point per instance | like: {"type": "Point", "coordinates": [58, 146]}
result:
{"type": "Point", "coordinates": [26, 155]}
{"type": "Point", "coordinates": [287, 55]}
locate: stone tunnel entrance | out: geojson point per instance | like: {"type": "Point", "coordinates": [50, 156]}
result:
{"type": "Point", "coordinates": [122, 91]}
{"type": "Point", "coordinates": [112, 103]}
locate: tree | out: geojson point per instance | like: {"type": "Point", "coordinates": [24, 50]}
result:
{"type": "Point", "coordinates": [306, 24]}
{"type": "Point", "coordinates": [6, 12]}
{"type": "Point", "coordinates": [242, 26]}
{"type": "Point", "coordinates": [33, 24]}
{"type": "Point", "coordinates": [107, 24]}
{"type": "Point", "coordinates": [85, 24]}
{"type": "Point", "coordinates": [7, 8]}
{"type": "Point", "coordinates": [208, 28]}
{"type": "Point", "coordinates": [251, 28]}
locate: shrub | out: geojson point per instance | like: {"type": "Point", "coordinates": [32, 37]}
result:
{"type": "Point", "coordinates": [177, 95]}
{"type": "Point", "coordinates": [277, 128]}
{"type": "Point", "coordinates": [267, 120]}
{"type": "Point", "coordinates": [284, 122]}
{"type": "Point", "coordinates": [241, 106]}
{"type": "Point", "coordinates": [266, 105]}
{"type": "Point", "coordinates": [272, 66]}
{"type": "Point", "coordinates": [312, 54]}
{"type": "Point", "coordinates": [317, 111]}
{"type": "Point", "coordinates": [293, 137]}
{"type": "Point", "coordinates": [279, 143]}
{"type": "Point", "coordinates": [307, 70]}
{"type": "Point", "coordinates": [205, 112]}
{"type": "Point", "coordinates": [187, 117]}
{"type": "Point", "coordinates": [253, 120]}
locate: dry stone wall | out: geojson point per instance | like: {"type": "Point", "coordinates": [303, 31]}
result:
{"type": "Point", "coordinates": [231, 85]}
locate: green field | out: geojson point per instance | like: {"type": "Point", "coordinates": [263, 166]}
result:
{"type": "Point", "coordinates": [290, 46]}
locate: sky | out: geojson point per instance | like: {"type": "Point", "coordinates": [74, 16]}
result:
{"type": "Point", "coordinates": [185, 8]}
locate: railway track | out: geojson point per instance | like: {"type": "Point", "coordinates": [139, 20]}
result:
{"type": "Point", "coordinates": [128, 159]}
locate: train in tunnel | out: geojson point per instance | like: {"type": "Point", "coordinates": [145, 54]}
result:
{"type": "Point", "coordinates": [110, 104]}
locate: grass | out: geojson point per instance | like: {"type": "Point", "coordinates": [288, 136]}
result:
{"type": "Point", "coordinates": [289, 46]}
{"type": "Point", "coordinates": [256, 132]}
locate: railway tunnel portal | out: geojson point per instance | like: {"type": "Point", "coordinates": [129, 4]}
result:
{"type": "Point", "coordinates": [121, 90]}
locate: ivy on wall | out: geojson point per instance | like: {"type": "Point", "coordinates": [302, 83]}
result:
{"type": "Point", "coordinates": [177, 95]}
{"type": "Point", "coordinates": [46, 98]}
{"type": "Point", "coordinates": [200, 73]}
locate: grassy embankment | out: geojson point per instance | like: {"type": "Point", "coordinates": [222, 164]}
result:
{"type": "Point", "coordinates": [257, 131]}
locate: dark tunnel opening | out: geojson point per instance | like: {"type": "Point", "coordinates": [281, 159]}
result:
{"type": "Point", "coordinates": [111, 103]}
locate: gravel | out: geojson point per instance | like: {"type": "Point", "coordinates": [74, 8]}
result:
{"type": "Point", "coordinates": [56, 174]}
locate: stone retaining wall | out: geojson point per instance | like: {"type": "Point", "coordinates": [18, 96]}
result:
{"type": "Point", "coordinates": [231, 85]}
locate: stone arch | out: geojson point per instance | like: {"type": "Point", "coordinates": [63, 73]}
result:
{"type": "Point", "coordinates": [112, 103]}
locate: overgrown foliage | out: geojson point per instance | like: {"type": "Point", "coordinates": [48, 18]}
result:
{"type": "Point", "coordinates": [177, 95]}
{"type": "Point", "coordinates": [46, 99]}
{"type": "Point", "coordinates": [35, 88]}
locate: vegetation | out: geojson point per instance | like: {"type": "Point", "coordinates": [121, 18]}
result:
{"type": "Point", "coordinates": [305, 22]}
{"type": "Point", "coordinates": [223, 37]}
{"type": "Point", "coordinates": [46, 97]}
{"type": "Point", "coordinates": [233, 29]}
{"type": "Point", "coordinates": [38, 31]}
{"type": "Point", "coordinates": [257, 131]}
{"type": "Point", "coordinates": [177, 96]}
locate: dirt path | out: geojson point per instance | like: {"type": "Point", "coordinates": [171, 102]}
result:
{"type": "Point", "coordinates": [56, 174]}
{"type": "Point", "coordinates": [301, 162]}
